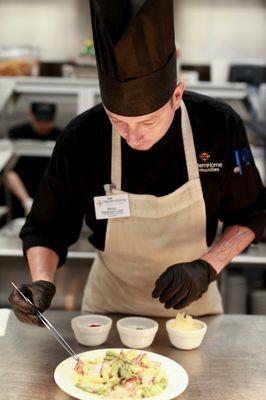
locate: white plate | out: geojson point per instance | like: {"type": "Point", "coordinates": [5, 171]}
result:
{"type": "Point", "coordinates": [175, 374]}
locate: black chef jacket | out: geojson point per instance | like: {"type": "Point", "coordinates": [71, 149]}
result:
{"type": "Point", "coordinates": [81, 165]}
{"type": "Point", "coordinates": [31, 169]}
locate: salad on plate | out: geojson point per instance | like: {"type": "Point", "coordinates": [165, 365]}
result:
{"type": "Point", "coordinates": [123, 374]}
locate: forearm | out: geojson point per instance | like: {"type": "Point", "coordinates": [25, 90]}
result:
{"type": "Point", "coordinates": [16, 186]}
{"type": "Point", "coordinates": [42, 263]}
{"type": "Point", "coordinates": [233, 241]}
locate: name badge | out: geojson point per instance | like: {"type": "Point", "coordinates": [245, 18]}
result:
{"type": "Point", "coordinates": [116, 206]}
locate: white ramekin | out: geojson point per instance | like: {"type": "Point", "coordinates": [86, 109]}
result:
{"type": "Point", "coordinates": [137, 332]}
{"type": "Point", "coordinates": [91, 336]}
{"type": "Point", "coordinates": [186, 340]}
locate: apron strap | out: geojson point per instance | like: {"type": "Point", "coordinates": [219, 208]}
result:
{"type": "Point", "coordinates": [189, 148]}
{"type": "Point", "coordinates": [116, 173]}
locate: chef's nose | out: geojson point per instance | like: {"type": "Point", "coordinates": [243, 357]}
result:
{"type": "Point", "coordinates": [133, 137]}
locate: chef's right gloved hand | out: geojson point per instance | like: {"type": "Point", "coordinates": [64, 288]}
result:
{"type": "Point", "coordinates": [40, 293]}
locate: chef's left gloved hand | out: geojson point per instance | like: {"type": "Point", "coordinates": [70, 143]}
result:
{"type": "Point", "coordinates": [183, 283]}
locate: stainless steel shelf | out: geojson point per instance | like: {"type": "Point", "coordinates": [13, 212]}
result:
{"type": "Point", "coordinates": [87, 89]}
{"type": "Point", "coordinates": [11, 247]}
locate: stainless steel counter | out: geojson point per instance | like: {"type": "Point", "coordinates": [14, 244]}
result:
{"type": "Point", "coordinates": [229, 365]}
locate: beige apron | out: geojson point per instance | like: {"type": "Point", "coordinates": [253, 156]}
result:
{"type": "Point", "coordinates": [160, 232]}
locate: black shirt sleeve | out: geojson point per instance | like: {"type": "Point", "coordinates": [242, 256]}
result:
{"type": "Point", "coordinates": [243, 197]}
{"type": "Point", "coordinates": [17, 132]}
{"type": "Point", "coordinates": [56, 217]}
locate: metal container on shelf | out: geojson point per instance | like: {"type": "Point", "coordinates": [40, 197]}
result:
{"type": "Point", "coordinates": [236, 294]}
{"type": "Point", "coordinates": [258, 301]}
{"type": "Point", "coordinates": [85, 71]}
{"type": "Point", "coordinates": [82, 67]}
{"type": "Point", "coordinates": [19, 61]}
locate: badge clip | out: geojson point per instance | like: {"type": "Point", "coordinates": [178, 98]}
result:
{"type": "Point", "coordinates": [108, 189]}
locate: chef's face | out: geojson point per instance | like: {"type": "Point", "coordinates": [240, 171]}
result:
{"type": "Point", "coordinates": [142, 132]}
{"type": "Point", "coordinates": [41, 127]}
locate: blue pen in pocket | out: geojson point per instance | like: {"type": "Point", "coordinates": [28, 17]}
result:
{"type": "Point", "coordinates": [238, 162]}
{"type": "Point", "coordinates": [246, 155]}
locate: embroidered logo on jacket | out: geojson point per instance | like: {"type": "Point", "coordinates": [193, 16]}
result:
{"type": "Point", "coordinates": [204, 156]}
{"type": "Point", "coordinates": [207, 166]}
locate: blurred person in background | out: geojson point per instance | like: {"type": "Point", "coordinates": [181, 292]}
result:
{"type": "Point", "coordinates": [24, 179]}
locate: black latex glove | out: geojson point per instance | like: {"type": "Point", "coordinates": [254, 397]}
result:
{"type": "Point", "coordinates": [40, 293]}
{"type": "Point", "coordinates": [181, 284]}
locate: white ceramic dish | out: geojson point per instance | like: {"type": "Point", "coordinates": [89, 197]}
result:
{"type": "Point", "coordinates": [186, 340]}
{"type": "Point", "coordinates": [175, 374]}
{"type": "Point", "coordinates": [137, 332]}
{"type": "Point", "coordinates": [91, 336]}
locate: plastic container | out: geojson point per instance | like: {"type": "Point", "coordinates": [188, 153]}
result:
{"type": "Point", "coordinates": [137, 332]}
{"type": "Point", "coordinates": [87, 331]}
{"type": "Point", "coordinates": [186, 340]}
{"type": "Point", "coordinates": [19, 61]}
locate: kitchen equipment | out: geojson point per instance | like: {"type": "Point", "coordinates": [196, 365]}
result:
{"type": "Point", "coordinates": [236, 293]}
{"type": "Point", "coordinates": [49, 326]}
{"type": "Point", "coordinates": [91, 330]}
{"type": "Point", "coordinates": [137, 332]}
{"type": "Point", "coordinates": [258, 301]}
{"type": "Point", "coordinates": [4, 315]}
{"type": "Point", "coordinates": [19, 61]}
{"type": "Point", "coordinates": [186, 340]}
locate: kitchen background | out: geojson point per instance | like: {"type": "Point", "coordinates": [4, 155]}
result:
{"type": "Point", "coordinates": [208, 31]}
{"type": "Point", "coordinates": [222, 53]}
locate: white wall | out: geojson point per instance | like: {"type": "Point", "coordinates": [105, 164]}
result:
{"type": "Point", "coordinates": [221, 31]}
{"type": "Point", "coordinates": [58, 27]}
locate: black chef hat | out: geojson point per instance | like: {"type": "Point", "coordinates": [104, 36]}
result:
{"type": "Point", "coordinates": [135, 50]}
{"type": "Point", "coordinates": [43, 111]}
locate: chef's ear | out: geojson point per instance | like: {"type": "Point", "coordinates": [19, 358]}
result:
{"type": "Point", "coordinates": [178, 93]}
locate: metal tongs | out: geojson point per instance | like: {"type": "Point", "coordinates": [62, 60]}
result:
{"type": "Point", "coordinates": [49, 326]}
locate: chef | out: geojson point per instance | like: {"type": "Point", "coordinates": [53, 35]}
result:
{"type": "Point", "coordinates": [24, 179]}
{"type": "Point", "coordinates": [153, 169]}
